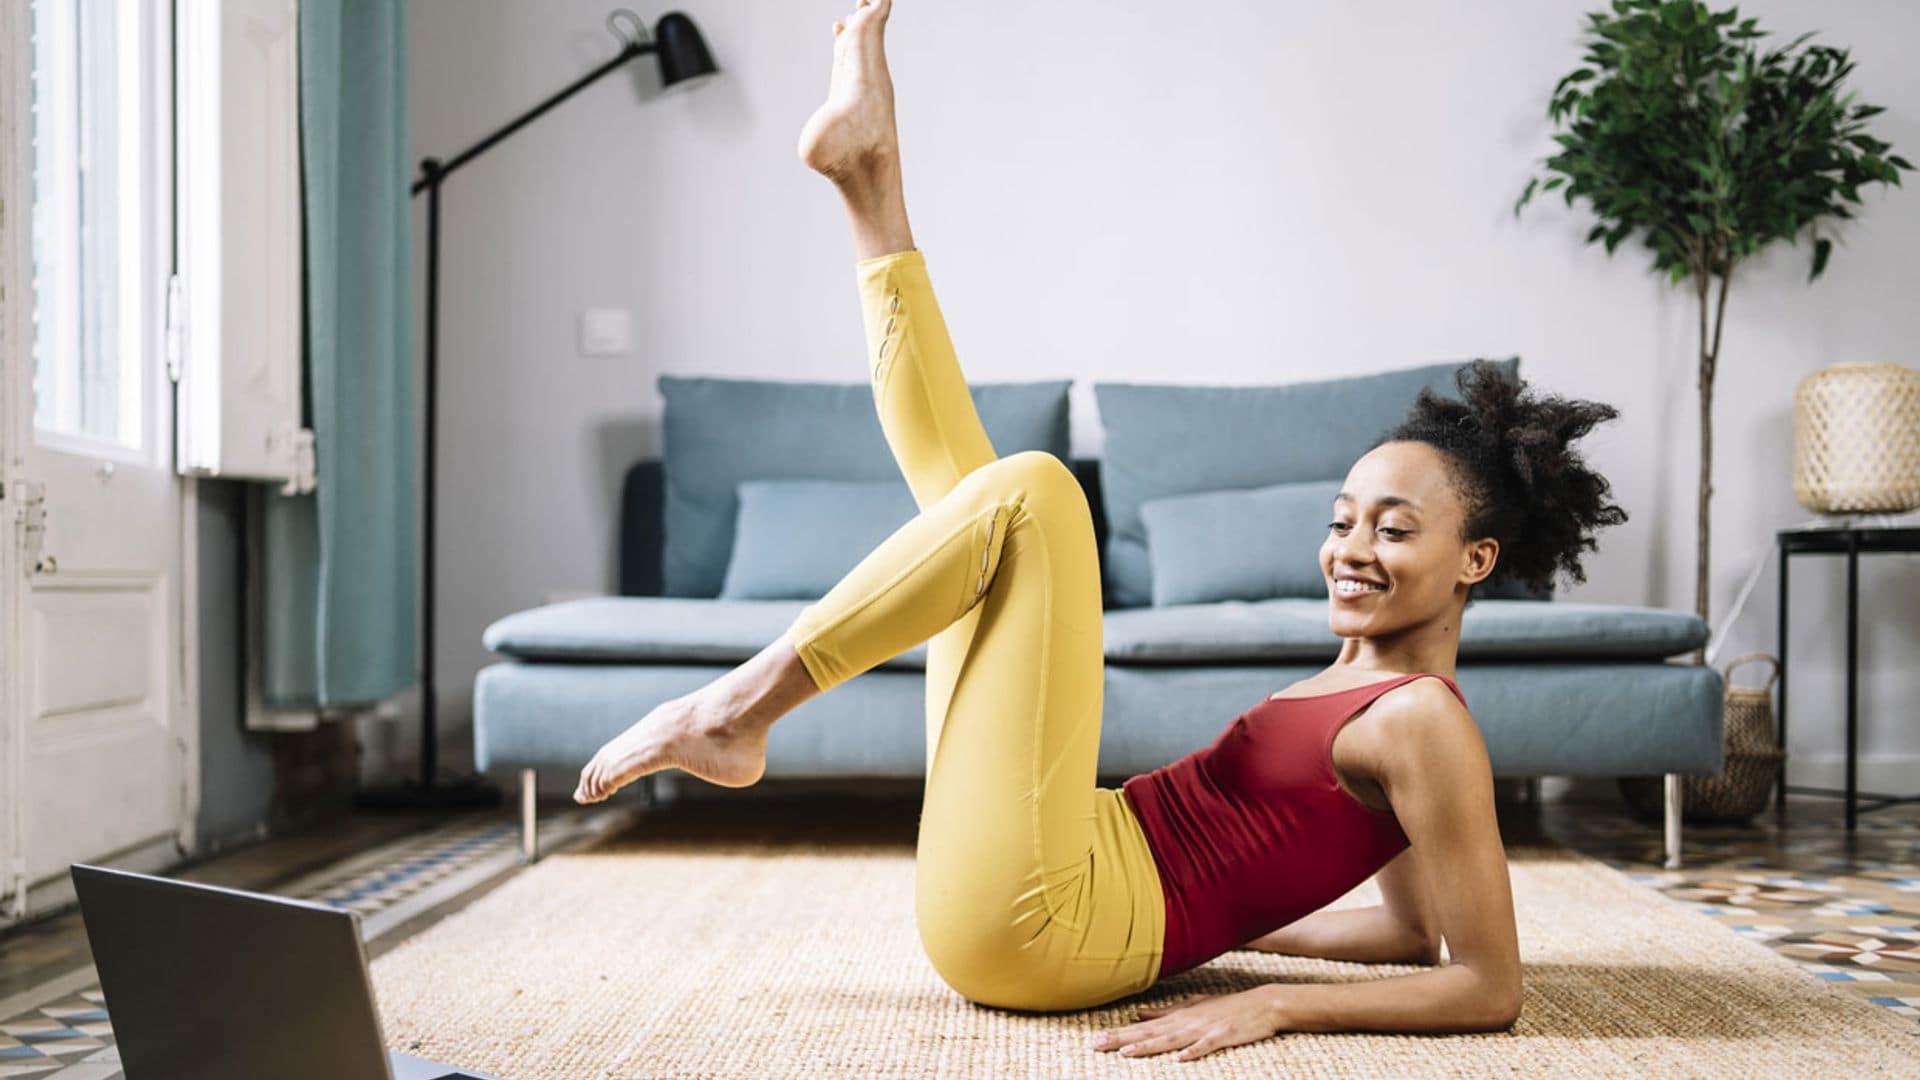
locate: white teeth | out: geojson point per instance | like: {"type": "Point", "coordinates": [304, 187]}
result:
{"type": "Point", "coordinates": [1348, 586]}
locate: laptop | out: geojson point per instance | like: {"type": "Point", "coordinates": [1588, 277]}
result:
{"type": "Point", "coordinates": [214, 983]}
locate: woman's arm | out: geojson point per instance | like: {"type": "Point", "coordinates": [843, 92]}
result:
{"type": "Point", "coordinates": [1440, 784]}
{"type": "Point", "coordinates": [1437, 777]}
{"type": "Point", "coordinates": [1398, 931]}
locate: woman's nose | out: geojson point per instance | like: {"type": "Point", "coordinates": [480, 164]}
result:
{"type": "Point", "coordinates": [1352, 549]}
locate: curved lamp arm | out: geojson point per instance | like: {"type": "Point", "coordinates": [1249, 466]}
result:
{"type": "Point", "coordinates": [683, 56]}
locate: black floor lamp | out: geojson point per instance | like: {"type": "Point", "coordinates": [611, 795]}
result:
{"type": "Point", "coordinates": [684, 61]}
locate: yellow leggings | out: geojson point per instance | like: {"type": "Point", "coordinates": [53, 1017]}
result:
{"type": "Point", "coordinates": [1034, 888]}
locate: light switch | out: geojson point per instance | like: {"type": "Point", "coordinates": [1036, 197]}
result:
{"type": "Point", "coordinates": [606, 332]}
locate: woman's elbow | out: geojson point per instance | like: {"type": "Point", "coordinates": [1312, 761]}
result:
{"type": "Point", "coordinates": [1502, 1005]}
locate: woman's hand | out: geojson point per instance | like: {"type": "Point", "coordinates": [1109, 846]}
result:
{"type": "Point", "coordinates": [1197, 1025]}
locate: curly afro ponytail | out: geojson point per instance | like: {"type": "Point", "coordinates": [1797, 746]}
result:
{"type": "Point", "coordinates": [1513, 463]}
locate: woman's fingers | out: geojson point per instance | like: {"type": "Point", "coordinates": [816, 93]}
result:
{"type": "Point", "coordinates": [1159, 1044]}
{"type": "Point", "coordinates": [1201, 1048]}
{"type": "Point", "coordinates": [1120, 1038]}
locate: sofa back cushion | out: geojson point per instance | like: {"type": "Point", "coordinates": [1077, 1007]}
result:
{"type": "Point", "coordinates": [1238, 544]}
{"type": "Point", "coordinates": [1254, 544]}
{"type": "Point", "coordinates": [719, 432]}
{"type": "Point", "coordinates": [794, 539]}
{"type": "Point", "coordinates": [1168, 439]}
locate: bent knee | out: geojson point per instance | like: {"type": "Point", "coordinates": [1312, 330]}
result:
{"type": "Point", "coordinates": [1037, 476]}
{"type": "Point", "coordinates": [986, 974]}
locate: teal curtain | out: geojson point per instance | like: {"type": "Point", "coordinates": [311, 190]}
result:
{"type": "Point", "coordinates": [339, 567]}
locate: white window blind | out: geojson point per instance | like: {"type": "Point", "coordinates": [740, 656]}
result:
{"type": "Point", "coordinates": [236, 307]}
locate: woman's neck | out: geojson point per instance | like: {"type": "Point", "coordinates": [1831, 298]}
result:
{"type": "Point", "coordinates": [1433, 646]}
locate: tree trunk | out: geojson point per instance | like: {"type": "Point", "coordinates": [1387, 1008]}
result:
{"type": "Point", "coordinates": [1709, 361]}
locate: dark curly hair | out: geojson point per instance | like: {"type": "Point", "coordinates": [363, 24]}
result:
{"type": "Point", "coordinates": [1515, 468]}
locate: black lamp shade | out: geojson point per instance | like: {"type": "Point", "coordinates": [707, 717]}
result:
{"type": "Point", "coordinates": [683, 52]}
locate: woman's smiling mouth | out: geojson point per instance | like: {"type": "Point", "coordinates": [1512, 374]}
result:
{"type": "Point", "coordinates": [1352, 589]}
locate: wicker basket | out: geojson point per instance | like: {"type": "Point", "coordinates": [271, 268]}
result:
{"type": "Point", "coordinates": [1741, 787]}
{"type": "Point", "coordinates": [1856, 439]}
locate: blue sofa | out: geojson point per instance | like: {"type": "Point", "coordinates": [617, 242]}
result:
{"type": "Point", "coordinates": [766, 491]}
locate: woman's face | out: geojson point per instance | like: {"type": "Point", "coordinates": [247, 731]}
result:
{"type": "Point", "coordinates": [1396, 528]}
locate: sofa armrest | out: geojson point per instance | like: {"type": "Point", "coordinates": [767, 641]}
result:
{"type": "Point", "coordinates": [642, 528]}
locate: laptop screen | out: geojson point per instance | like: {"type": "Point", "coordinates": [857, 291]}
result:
{"type": "Point", "coordinates": [216, 983]}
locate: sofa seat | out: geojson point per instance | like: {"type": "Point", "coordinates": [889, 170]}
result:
{"type": "Point", "coordinates": [1536, 717]}
{"type": "Point", "coordinates": [653, 629]}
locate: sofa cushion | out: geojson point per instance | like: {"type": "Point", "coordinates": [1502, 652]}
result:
{"type": "Point", "coordinates": [1238, 544]}
{"type": "Point", "coordinates": [654, 629]}
{"type": "Point", "coordinates": [1166, 439]}
{"type": "Point", "coordinates": [719, 432]}
{"type": "Point", "coordinates": [1255, 544]}
{"type": "Point", "coordinates": [795, 539]}
{"type": "Point", "coordinates": [1577, 719]}
{"type": "Point", "coordinates": [1292, 628]}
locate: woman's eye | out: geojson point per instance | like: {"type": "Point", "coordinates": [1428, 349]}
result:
{"type": "Point", "coordinates": [1336, 525]}
{"type": "Point", "coordinates": [1396, 532]}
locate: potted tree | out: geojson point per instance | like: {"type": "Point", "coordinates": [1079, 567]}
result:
{"type": "Point", "coordinates": [1678, 126]}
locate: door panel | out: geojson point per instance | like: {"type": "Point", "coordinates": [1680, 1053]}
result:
{"type": "Point", "coordinates": [112, 626]}
{"type": "Point", "coordinates": [102, 735]}
{"type": "Point", "coordinates": [103, 775]}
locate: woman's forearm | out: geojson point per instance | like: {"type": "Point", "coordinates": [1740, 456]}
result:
{"type": "Point", "coordinates": [1367, 935]}
{"type": "Point", "coordinates": [1454, 998]}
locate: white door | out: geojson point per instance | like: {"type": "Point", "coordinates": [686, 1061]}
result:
{"type": "Point", "coordinates": [102, 743]}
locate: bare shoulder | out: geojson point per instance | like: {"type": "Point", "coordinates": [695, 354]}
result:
{"type": "Point", "coordinates": [1426, 721]}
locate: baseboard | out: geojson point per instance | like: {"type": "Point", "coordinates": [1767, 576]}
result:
{"type": "Point", "coordinates": [1885, 774]}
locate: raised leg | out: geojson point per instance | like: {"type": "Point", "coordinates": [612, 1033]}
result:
{"type": "Point", "coordinates": [1029, 894]}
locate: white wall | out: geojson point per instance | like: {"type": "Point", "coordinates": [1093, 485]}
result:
{"type": "Point", "coordinates": [1242, 191]}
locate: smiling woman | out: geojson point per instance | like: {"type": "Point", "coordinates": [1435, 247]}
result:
{"type": "Point", "coordinates": [1035, 889]}
{"type": "Point", "coordinates": [1463, 495]}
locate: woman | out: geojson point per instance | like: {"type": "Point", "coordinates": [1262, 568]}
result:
{"type": "Point", "coordinates": [1036, 889]}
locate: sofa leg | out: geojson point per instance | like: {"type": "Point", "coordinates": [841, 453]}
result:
{"type": "Point", "coordinates": [1673, 820]}
{"type": "Point", "coordinates": [529, 837]}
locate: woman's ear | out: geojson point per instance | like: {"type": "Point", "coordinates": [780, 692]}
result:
{"type": "Point", "coordinates": [1479, 560]}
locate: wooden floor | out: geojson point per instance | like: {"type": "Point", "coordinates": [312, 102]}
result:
{"type": "Point", "coordinates": [44, 948]}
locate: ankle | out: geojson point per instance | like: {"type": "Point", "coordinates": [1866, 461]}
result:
{"type": "Point", "coordinates": [761, 690]}
{"type": "Point", "coordinates": [869, 180]}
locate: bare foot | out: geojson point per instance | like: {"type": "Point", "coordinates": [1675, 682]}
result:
{"type": "Point", "coordinates": [695, 733]}
{"type": "Point", "coordinates": [854, 131]}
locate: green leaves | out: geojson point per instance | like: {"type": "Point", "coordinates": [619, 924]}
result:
{"type": "Point", "coordinates": [1680, 127]}
{"type": "Point", "coordinates": [1822, 248]}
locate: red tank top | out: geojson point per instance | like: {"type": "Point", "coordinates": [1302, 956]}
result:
{"type": "Point", "coordinates": [1254, 831]}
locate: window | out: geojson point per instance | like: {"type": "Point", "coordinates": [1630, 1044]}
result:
{"type": "Point", "coordinates": [94, 352]}
{"type": "Point", "coordinates": [122, 301]}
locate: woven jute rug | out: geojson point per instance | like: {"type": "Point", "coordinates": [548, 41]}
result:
{"type": "Point", "coordinates": [644, 957]}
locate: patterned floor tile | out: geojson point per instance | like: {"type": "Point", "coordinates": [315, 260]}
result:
{"type": "Point", "coordinates": [383, 881]}
{"type": "Point", "coordinates": [1845, 908]}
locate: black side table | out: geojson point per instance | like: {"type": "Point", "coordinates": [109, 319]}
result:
{"type": "Point", "coordinates": [1851, 542]}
